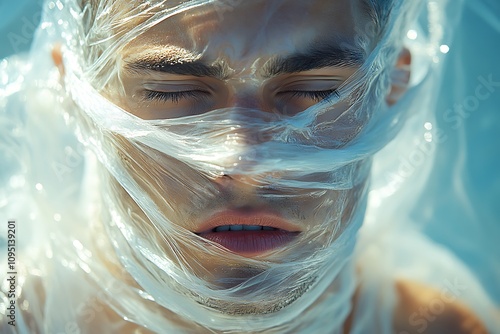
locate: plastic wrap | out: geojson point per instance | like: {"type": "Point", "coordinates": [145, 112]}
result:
{"type": "Point", "coordinates": [116, 229]}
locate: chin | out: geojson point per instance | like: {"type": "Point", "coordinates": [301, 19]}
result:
{"type": "Point", "coordinates": [244, 305]}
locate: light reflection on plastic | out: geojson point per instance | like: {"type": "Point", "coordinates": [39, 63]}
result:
{"type": "Point", "coordinates": [444, 48]}
{"type": "Point", "coordinates": [412, 34]}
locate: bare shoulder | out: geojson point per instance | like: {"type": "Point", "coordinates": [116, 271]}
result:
{"type": "Point", "coordinates": [422, 309]}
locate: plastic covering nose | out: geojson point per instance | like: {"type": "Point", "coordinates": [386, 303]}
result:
{"type": "Point", "coordinates": [239, 184]}
{"type": "Point", "coordinates": [246, 142]}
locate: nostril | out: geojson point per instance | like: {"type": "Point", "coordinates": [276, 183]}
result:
{"type": "Point", "coordinates": [224, 178]}
{"type": "Point", "coordinates": [223, 182]}
{"type": "Point", "coordinates": [227, 180]}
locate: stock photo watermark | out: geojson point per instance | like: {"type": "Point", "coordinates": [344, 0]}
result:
{"type": "Point", "coordinates": [73, 158]}
{"type": "Point", "coordinates": [11, 273]}
{"type": "Point", "coordinates": [455, 117]}
{"type": "Point", "coordinates": [21, 39]}
{"type": "Point", "coordinates": [426, 314]}
{"type": "Point", "coordinates": [88, 310]}
{"type": "Point", "coordinates": [463, 110]}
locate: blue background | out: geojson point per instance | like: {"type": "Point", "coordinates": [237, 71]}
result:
{"type": "Point", "coordinates": [464, 199]}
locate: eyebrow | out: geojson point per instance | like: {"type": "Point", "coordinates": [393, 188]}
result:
{"type": "Point", "coordinates": [195, 68]}
{"type": "Point", "coordinates": [174, 60]}
{"type": "Point", "coordinates": [318, 55]}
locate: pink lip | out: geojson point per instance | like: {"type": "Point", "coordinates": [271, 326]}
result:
{"type": "Point", "coordinates": [246, 242]}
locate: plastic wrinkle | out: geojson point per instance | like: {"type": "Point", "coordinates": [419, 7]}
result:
{"type": "Point", "coordinates": [111, 171]}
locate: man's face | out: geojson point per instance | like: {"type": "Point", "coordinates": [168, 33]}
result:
{"type": "Point", "coordinates": [280, 57]}
{"type": "Point", "coordinates": [276, 56]}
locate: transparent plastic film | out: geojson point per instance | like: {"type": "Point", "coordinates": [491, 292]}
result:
{"type": "Point", "coordinates": [212, 116]}
{"type": "Point", "coordinates": [204, 118]}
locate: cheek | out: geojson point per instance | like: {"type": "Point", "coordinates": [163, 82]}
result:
{"type": "Point", "coordinates": [333, 216]}
{"type": "Point", "coordinates": [175, 188]}
{"type": "Point", "coordinates": [343, 123]}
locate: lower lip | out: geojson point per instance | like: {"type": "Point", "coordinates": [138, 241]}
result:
{"type": "Point", "coordinates": [251, 243]}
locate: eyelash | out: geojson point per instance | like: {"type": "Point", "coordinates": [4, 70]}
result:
{"type": "Point", "coordinates": [174, 97]}
{"type": "Point", "coordinates": [314, 95]}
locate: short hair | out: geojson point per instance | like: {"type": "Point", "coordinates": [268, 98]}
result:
{"type": "Point", "coordinates": [378, 11]}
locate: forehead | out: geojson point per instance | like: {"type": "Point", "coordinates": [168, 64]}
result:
{"type": "Point", "coordinates": [244, 31]}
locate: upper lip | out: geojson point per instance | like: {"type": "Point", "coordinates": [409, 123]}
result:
{"type": "Point", "coordinates": [236, 217]}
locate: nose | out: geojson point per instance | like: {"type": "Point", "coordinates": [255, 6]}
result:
{"type": "Point", "coordinates": [244, 93]}
{"type": "Point", "coordinates": [239, 190]}
{"type": "Point", "coordinates": [245, 100]}
{"type": "Point", "coordinates": [243, 168]}
{"type": "Point", "coordinates": [245, 139]}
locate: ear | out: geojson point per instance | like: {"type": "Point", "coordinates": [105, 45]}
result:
{"type": "Point", "coordinates": [58, 59]}
{"type": "Point", "coordinates": [400, 77]}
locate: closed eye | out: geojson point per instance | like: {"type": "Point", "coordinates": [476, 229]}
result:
{"type": "Point", "coordinates": [316, 96]}
{"type": "Point", "coordinates": [175, 97]}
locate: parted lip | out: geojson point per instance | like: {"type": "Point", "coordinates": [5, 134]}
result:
{"type": "Point", "coordinates": [247, 242]}
{"type": "Point", "coordinates": [235, 217]}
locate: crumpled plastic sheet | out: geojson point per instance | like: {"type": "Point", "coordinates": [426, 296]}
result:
{"type": "Point", "coordinates": [112, 225]}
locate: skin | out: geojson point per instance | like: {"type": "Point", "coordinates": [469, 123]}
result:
{"type": "Point", "coordinates": [248, 80]}
{"type": "Point", "coordinates": [246, 50]}
{"type": "Point", "coordinates": [244, 53]}
{"type": "Point", "coordinates": [244, 47]}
